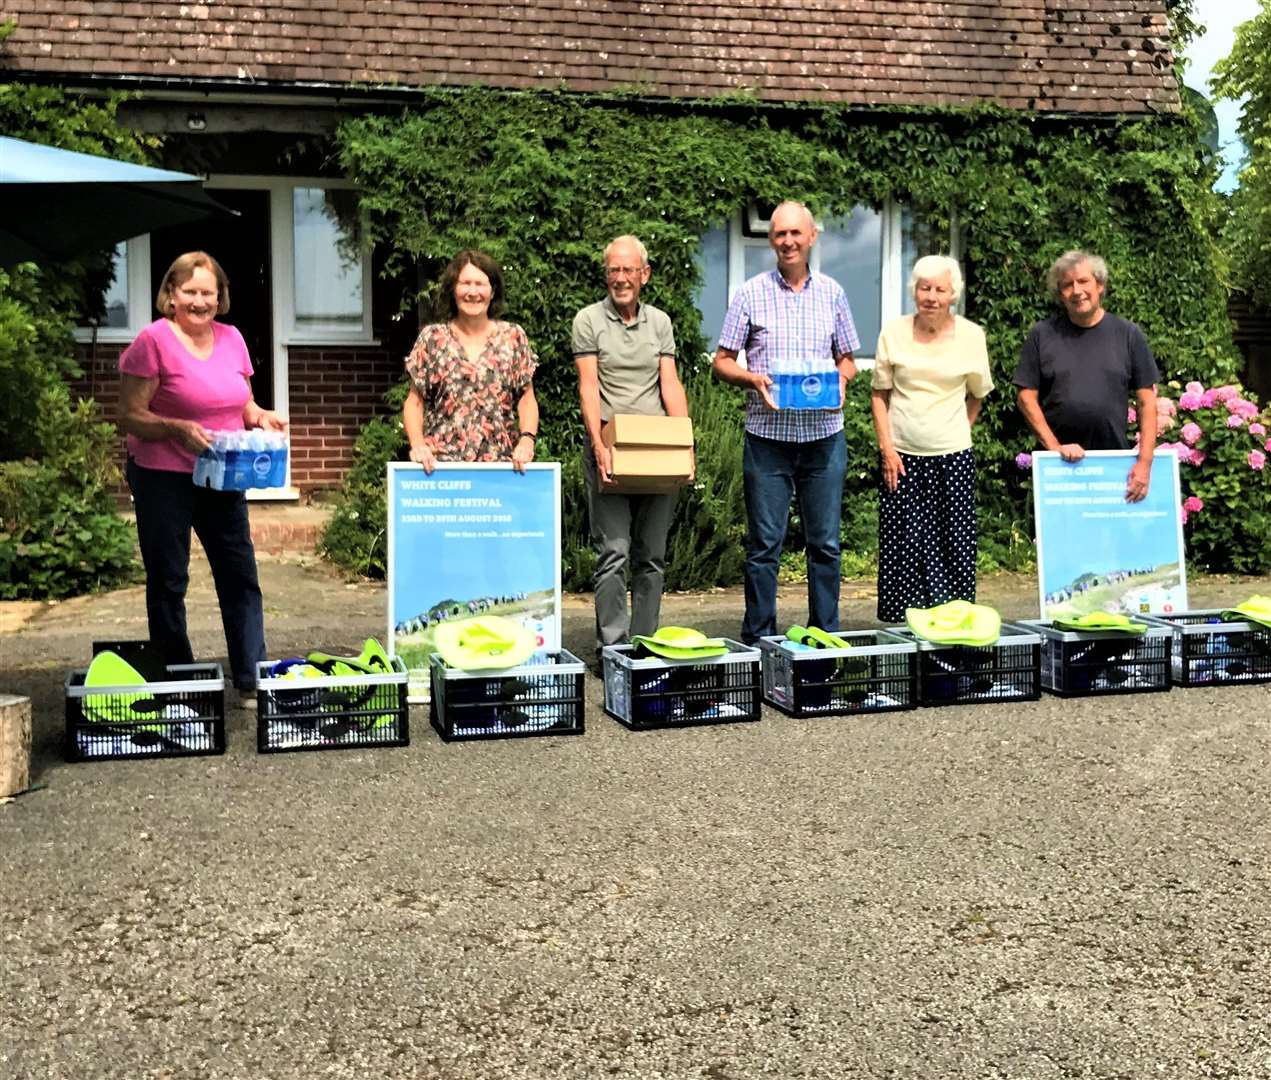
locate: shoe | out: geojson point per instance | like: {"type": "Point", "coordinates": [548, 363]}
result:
{"type": "Point", "coordinates": [247, 700]}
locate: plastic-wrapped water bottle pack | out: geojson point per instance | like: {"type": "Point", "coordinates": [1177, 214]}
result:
{"type": "Point", "coordinates": [238, 460]}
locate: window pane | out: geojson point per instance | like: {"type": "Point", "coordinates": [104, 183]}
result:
{"type": "Point", "coordinates": [712, 299]}
{"type": "Point", "coordinates": [116, 302]}
{"type": "Point", "coordinates": [758, 258]}
{"type": "Point", "coordinates": [852, 254]}
{"type": "Point", "coordinates": [917, 238]}
{"type": "Point", "coordinates": [328, 259]}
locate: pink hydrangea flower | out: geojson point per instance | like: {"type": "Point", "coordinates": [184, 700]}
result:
{"type": "Point", "coordinates": [1235, 421]}
{"type": "Point", "coordinates": [1024, 461]}
{"type": "Point", "coordinates": [1257, 429]}
{"type": "Point", "coordinates": [1131, 416]}
{"type": "Point", "coordinates": [1193, 505]}
{"type": "Point", "coordinates": [1183, 514]}
{"type": "Point", "coordinates": [1225, 393]}
{"type": "Point", "coordinates": [1257, 459]}
{"type": "Point", "coordinates": [1196, 457]}
{"type": "Point", "coordinates": [1194, 387]}
{"type": "Point", "coordinates": [1191, 434]}
{"type": "Point", "coordinates": [1208, 398]}
{"type": "Point", "coordinates": [1239, 407]}
{"type": "Point", "coordinates": [1165, 406]}
{"type": "Point", "coordinates": [1164, 421]}
{"type": "Point", "coordinates": [1191, 401]}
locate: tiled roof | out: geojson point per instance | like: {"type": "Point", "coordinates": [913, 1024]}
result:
{"type": "Point", "coordinates": [1048, 55]}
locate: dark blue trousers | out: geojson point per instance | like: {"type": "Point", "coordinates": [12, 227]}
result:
{"type": "Point", "coordinates": [168, 507]}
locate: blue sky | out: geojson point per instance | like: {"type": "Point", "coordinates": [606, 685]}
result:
{"type": "Point", "coordinates": [1220, 19]}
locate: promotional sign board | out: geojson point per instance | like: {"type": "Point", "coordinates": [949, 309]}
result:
{"type": "Point", "coordinates": [1097, 552]}
{"type": "Point", "coordinates": [471, 539]}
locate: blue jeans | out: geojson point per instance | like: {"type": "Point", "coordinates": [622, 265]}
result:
{"type": "Point", "coordinates": [774, 471]}
{"type": "Point", "coordinates": [168, 506]}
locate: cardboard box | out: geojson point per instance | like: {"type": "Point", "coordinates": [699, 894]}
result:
{"type": "Point", "coordinates": [651, 454]}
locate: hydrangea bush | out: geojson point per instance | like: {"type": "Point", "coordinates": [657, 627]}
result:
{"type": "Point", "coordinates": [1220, 437]}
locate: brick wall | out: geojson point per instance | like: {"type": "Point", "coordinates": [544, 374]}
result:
{"type": "Point", "coordinates": [333, 392]}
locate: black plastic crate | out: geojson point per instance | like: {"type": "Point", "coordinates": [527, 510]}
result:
{"type": "Point", "coordinates": [655, 693]}
{"type": "Point", "coordinates": [1009, 670]}
{"type": "Point", "coordinates": [543, 696]}
{"type": "Point", "coordinates": [178, 712]}
{"type": "Point", "coordinates": [878, 673]}
{"type": "Point", "coordinates": [1210, 652]}
{"type": "Point", "coordinates": [345, 712]}
{"type": "Point", "coordinates": [1086, 663]}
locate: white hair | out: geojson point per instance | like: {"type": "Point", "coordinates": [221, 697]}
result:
{"type": "Point", "coordinates": [634, 241]}
{"type": "Point", "coordinates": [930, 267]}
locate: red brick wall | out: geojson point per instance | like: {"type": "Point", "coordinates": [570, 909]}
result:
{"type": "Point", "coordinates": [334, 390]}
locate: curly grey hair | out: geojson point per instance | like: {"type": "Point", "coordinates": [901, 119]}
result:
{"type": "Point", "coordinates": [1069, 260]}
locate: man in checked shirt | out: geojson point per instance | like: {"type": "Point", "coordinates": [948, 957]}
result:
{"type": "Point", "coordinates": [790, 314]}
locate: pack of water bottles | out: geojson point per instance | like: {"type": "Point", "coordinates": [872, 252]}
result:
{"type": "Point", "coordinates": [238, 460]}
{"type": "Point", "coordinates": [804, 383]}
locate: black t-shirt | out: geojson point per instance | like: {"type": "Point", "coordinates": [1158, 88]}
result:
{"type": "Point", "coordinates": [1084, 377]}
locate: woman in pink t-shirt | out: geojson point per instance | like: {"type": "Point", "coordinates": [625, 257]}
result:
{"type": "Point", "coordinates": [185, 378]}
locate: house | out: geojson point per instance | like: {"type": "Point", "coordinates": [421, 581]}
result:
{"type": "Point", "coordinates": [247, 92]}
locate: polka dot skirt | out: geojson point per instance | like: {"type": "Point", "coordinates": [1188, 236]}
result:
{"type": "Point", "coordinates": [926, 535]}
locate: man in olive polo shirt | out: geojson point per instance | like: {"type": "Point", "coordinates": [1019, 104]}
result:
{"type": "Point", "coordinates": [625, 352]}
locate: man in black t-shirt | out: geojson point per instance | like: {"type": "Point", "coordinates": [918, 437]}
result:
{"type": "Point", "coordinates": [1077, 369]}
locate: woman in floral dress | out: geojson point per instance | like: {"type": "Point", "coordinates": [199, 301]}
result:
{"type": "Point", "coordinates": [472, 390]}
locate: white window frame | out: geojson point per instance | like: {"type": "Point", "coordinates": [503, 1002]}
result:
{"type": "Point", "coordinates": [140, 303]}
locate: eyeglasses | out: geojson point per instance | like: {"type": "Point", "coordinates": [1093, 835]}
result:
{"type": "Point", "coordinates": [623, 271]}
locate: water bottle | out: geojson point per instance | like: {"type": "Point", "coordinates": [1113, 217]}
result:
{"type": "Point", "coordinates": [804, 384]}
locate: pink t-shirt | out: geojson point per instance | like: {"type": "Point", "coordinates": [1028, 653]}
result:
{"type": "Point", "coordinates": [211, 392]}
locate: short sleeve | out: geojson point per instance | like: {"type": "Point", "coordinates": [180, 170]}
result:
{"type": "Point", "coordinates": [418, 360]}
{"type": "Point", "coordinates": [1143, 369]}
{"type": "Point", "coordinates": [236, 342]}
{"type": "Point", "coordinates": [979, 379]}
{"type": "Point", "coordinates": [846, 339]}
{"type": "Point", "coordinates": [524, 363]}
{"type": "Point", "coordinates": [666, 335]}
{"type": "Point", "coordinates": [1028, 372]}
{"type": "Point", "coordinates": [882, 377]}
{"type": "Point", "coordinates": [735, 332]}
{"type": "Point", "coordinates": [585, 340]}
{"type": "Point", "coordinates": [141, 358]}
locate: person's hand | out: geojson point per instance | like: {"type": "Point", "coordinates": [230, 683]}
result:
{"type": "Point", "coordinates": [269, 420]}
{"type": "Point", "coordinates": [1137, 483]}
{"type": "Point", "coordinates": [1072, 451]}
{"type": "Point", "coordinates": [847, 371]}
{"type": "Point", "coordinates": [522, 453]}
{"type": "Point", "coordinates": [604, 462]}
{"type": "Point", "coordinates": [761, 383]}
{"type": "Point", "coordinates": [423, 455]}
{"type": "Point", "coordinates": [893, 469]}
{"type": "Point", "coordinates": [192, 435]}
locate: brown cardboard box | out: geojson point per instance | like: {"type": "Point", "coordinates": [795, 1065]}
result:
{"type": "Point", "coordinates": [651, 454]}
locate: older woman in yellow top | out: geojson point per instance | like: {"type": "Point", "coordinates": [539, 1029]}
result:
{"type": "Point", "coordinates": [931, 373]}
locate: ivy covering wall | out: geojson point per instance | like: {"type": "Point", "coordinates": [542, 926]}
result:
{"type": "Point", "coordinates": [543, 181]}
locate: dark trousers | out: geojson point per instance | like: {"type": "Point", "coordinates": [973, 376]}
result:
{"type": "Point", "coordinates": [168, 506]}
{"type": "Point", "coordinates": [773, 471]}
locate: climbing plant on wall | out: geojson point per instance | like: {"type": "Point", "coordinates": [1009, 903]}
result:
{"type": "Point", "coordinates": [543, 180]}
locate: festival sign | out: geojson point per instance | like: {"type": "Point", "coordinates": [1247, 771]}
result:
{"type": "Point", "coordinates": [471, 539]}
{"type": "Point", "coordinates": [1097, 552]}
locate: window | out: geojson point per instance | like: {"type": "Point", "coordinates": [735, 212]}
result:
{"type": "Point", "coordinates": [328, 262]}
{"type": "Point", "coordinates": [127, 300]}
{"type": "Point", "coordinates": [868, 252]}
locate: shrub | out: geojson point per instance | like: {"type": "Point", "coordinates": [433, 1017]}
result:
{"type": "Point", "coordinates": [60, 533]}
{"type": "Point", "coordinates": [1222, 446]}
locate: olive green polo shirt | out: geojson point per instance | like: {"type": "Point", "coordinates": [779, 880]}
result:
{"type": "Point", "coordinates": [628, 356]}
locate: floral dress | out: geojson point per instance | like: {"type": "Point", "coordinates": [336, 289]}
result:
{"type": "Point", "coordinates": [470, 408]}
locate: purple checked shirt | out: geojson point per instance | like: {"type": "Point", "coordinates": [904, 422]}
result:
{"type": "Point", "coordinates": [767, 318]}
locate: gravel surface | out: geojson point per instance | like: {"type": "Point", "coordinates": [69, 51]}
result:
{"type": "Point", "coordinates": [1066, 888]}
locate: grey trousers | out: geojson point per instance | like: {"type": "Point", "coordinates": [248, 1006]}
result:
{"type": "Point", "coordinates": [626, 530]}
